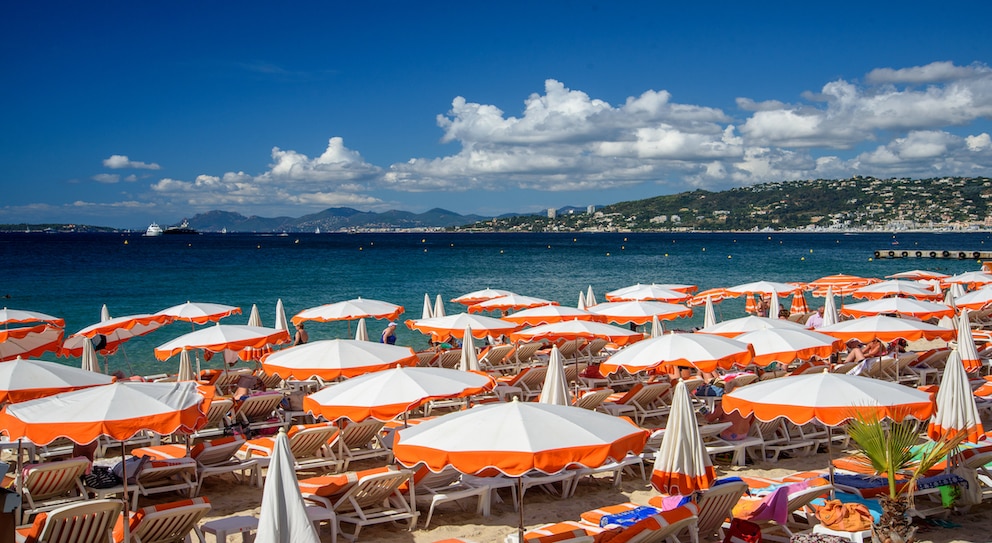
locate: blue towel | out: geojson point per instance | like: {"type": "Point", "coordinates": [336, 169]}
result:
{"type": "Point", "coordinates": [629, 518]}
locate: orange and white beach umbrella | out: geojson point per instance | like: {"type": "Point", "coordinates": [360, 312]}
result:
{"type": "Point", "coordinates": [972, 279]}
{"type": "Point", "coordinates": [115, 332]}
{"type": "Point", "coordinates": [547, 314]}
{"type": "Point", "coordinates": [764, 287]}
{"type": "Point", "coordinates": [886, 329]}
{"type": "Point", "coordinates": [20, 316]}
{"type": "Point", "coordinates": [455, 325]}
{"type": "Point", "coordinates": [701, 351]}
{"type": "Point", "coordinates": [350, 310]}
{"type": "Point", "coordinates": [223, 337]}
{"type": "Point", "coordinates": [799, 305]}
{"type": "Point", "coordinates": [509, 302]}
{"type": "Point", "coordinates": [785, 345]}
{"type": "Point", "coordinates": [918, 275]}
{"type": "Point", "coordinates": [658, 293]}
{"type": "Point", "coordinates": [975, 300]}
{"type": "Point", "coordinates": [840, 284]}
{"type": "Point", "coordinates": [639, 311]}
{"type": "Point", "coordinates": [22, 379]}
{"type": "Point", "coordinates": [918, 309]}
{"type": "Point", "coordinates": [516, 438]}
{"type": "Point", "coordinates": [681, 465]}
{"type": "Point", "coordinates": [574, 329]}
{"type": "Point", "coordinates": [830, 398]}
{"type": "Point", "coordinates": [715, 295]}
{"type": "Point", "coordinates": [477, 296]}
{"type": "Point", "coordinates": [117, 411]}
{"type": "Point", "coordinates": [385, 395]}
{"type": "Point", "coordinates": [896, 287]}
{"type": "Point", "coordinates": [736, 327]}
{"type": "Point", "coordinates": [332, 359]}
{"type": "Point", "coordinates": [30, 341]}
{"type": "Point", "coordinates": [200, 312]}
{"type": "Point", "coordinates": [970, 359]}
{"type": "Point", "coordinates": [957, 413]}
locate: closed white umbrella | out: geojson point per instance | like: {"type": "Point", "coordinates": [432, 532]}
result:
{"type": "Point", "coordinates": [957, 412]}
{"type": "Point", "coordinates": [361, 331]}
{"type": "Point", "coordinates": [104, 313]}
{"type": "Point", "coordinates": [439, 307]}
{"type": "Point", "coordinates": [469, 360]}
{"type": "Point", "coordinates": [682, 465]}
{"type": "Point", "coordinates": [89, 360]}
{"type": "Point", "coordinates": [428, 310]}
{"type": "Point", "coordinates": [656, 328]}
{"type": "Point", "coordinates": [582, 301]}
{"type": "Point", "coordinates": [283, 515]}
{"type": "Point", "coordinates": [590, 297]}
{"type": "Point", "coordinates": [709, 314]}
{"type": "Point", "coordinates": [773, 306]}
{"type": "Point", "coordinates": [185, 367]}
{"type": "Point", "coordinates": [966, 345]}
{"type": "Point", "coordinates": [282, 323]}
{"type": "Point", "coordinates": [555, 389]}
{"type": "Point", "coordinates": [830, 309]}
{"type": "Point", "coordinates": [254, 318]}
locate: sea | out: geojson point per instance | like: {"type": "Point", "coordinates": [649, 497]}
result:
{"type": "Point", "coordinates": [72, 275]}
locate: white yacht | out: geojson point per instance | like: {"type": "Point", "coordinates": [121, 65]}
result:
{"type": "Point", "coordinates": [153, 230]}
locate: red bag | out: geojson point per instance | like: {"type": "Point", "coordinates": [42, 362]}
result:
{"type": "Point", "coordinates": [743, 531]}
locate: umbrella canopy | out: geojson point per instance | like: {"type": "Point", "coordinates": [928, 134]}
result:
{"type": "Point", "coordinates": [957, 412]}
{"type": "Point", "coordinates": [118, 411]}
{"type": "Point", "coordinates": [30, 341]}
{"type": "Point", "coordinates": [469, 359]}
{"type": "Point", "coordinates": [886, 329]}
{"type": "Point", "coordinates": [428, 312]}
{"type": "Point", "coordinates": [254, 317]}
{"type": "Point", "coordinates": [332, 359]}
{"type": "Point", "coordinates": [452, 325]}
{"type": "Point", "coordinates": [19, 316]}
{"type": "Point", "coordinates": [385, 395]}
{"type": "Point", "coordinates": [281, 322]}
{"type": "Point", "coordinates": [555, 389]}
{"type": "Point", "coordinates": [361, 331]}
{"type": "Point", "coordinates": [569, 330]}
{"type": "Point", "coordinates": [785, 345]}
{"type": "Point", "coordinates": [283, 515]}
{"type": "Point", "coordinates": [970, 359]}
{"type": "Point", "coordinates": [975, 300]}
{"type": "Point", "coordinates": [200, 312]}
{"type": "Point", "coordinates": [917, 275]}
{"type": "Point", "coordinates": [350, 310]}
{"type": "Point", "coordinates": [764, 287]}
{"type": "Point", "coordinates": [223, 337]}
{"type": "Point", "coordinates": [840, 284]}
{"type": "Point", "coordinates": [660, 293]}
{"type": "Point", "coordinates": [516, 437]}
{"type": "Point", "coordinates": [116, 331]}
{"type": "Point", "coordinates": [681, 465]}
{"type": "Point", "coordinates": [972, 279]}
{"type": "Point", "coordinates": [702, 351]}
{"type": "Point", "coordinates": [911, 307]}
{"type": "Point", "coordinates": [736, 327]}
{"type": "Point", "coordinates": [509, 302]}
{"type": "Point", "coordinates": [547, 314]}
{"type": "Point", "coordinates": [830, 398]}
{"type": "Point", "coordinates": [896, 287]}
{"type": "Point", "coordinates": [477, 296]}
{"type": "Point", "coordinates": [22, 380]}
{"type": "Point", "coordinates": [639, 312]}
{"type": "Point", "coordinates": [716, 295]}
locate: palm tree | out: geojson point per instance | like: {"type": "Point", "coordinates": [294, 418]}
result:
{"type": "Point", "coordinates": [887, 447]}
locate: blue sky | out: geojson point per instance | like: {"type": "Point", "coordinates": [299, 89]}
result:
{"type": "Point", "coordinates": [124, 113]}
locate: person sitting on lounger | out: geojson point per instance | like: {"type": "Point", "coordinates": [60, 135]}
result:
{"type": "Point", "coordinates": [739, 426]}
{"type": "Point", "coordinates": [857, 351]}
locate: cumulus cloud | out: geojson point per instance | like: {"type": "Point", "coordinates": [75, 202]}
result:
{"type": "Point", "coordinates": [118, 162]}
{"type": "Point", "coordinates": [106, 178]}
{"type": "Point", "coordinates": [931, 73]}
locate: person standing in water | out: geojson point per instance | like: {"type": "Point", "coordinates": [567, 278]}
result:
{"type": "Point", "coordinates": [301, 335]}
{"type": "Point", "coordinates": [389, 334]}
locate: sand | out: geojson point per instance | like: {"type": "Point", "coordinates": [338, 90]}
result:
{"type": "Point", "coordinates": [450, 521]}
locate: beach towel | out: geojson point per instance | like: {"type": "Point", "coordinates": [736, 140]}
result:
{"type": "Point", "coordinates": [844, 517]}
{"type": "Point", "coordinates": [742, 531]}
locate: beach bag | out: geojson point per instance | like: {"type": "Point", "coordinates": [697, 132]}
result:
{"type": "Point", "coordinates": [818, 538]}
{"type": "Point", "coordinates": [101, 477]}
{"type": "Point", "coordinates": [628, 518]}
{"type": "Point", "coordinates": [844, 517]}
{"type": "Point", "coordinates": [742, 531]}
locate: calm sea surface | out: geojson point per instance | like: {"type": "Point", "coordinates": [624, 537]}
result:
{"type": "Point", "coordinates": [73, 275]}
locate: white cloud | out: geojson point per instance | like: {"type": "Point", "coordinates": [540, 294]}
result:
{"type": "Point", "coordinates": [117, 162]}
{"type": "Point", "coordinates": [931, 73]}
{"type": "Point", "coordinates": [106, 178]}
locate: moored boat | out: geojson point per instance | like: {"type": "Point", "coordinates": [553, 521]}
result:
{"type": "Point", "coordinates": [153, 230]}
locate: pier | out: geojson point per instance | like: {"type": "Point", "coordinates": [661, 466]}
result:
{"type": "Point", "coordinates": [956, 254]}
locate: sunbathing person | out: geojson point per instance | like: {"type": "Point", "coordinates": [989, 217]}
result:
{"type": "Point", "coordinates": [858, 351]}
{"type": "Point", "coordinates": [739, 426]}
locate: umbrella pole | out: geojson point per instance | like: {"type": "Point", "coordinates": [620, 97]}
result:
{"type": "Point", "coordinates": [126, 517]}
{"type": "Point", "coordinates": [520, 509]}
{"type": "Point", "coordinates": [830, 459]}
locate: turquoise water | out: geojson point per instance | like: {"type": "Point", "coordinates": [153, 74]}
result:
{"type": "Point", "coordinates": [73, 275]}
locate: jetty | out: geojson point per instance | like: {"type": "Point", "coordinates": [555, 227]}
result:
{"type": "Point", "coordinates": [955, 254]}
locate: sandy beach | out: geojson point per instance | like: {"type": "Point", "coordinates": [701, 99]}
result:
{"type": "Point", "coordinates": [540, 508]}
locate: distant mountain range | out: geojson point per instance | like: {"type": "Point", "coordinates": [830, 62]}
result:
{"type": "Point", "coordinates": [335, 219]}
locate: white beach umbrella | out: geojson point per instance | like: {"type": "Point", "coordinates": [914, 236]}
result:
{"type": "Point", "coordinates": [919, 309]}
{"type": "Point", "coordinates": [966, 345]}
{"type": "Point", "coordinates": [22, 380]}
{"type": "Point", "coordinates": [555, 389]}
{"type": "Point", "coordinates": [656, 328]}
{"type": "Point", "coordinates": [350, 310]}
{"type": "Point", "coordinates": [975, 300]}
{"type": "Point", "coordinates": [200, 312]}
{"type": "Point", "coordinates": [709, 314]}
{"type": "Point", "coordinates": [590, 297]}
{"type": "Point", "coordinates": [20, 316]}
{"type": "Point", "coordinates": [89, 360]}
{"type": "Point", "coordinates": [972, 279]}
{"type": "Point", "coordinates": [546, 314]}
{"type": "Point", "coordinates": [785, 345]}
{"type": "Point", "coordinates": [830, 309]}
{"type": "Point", "coordinates": [331, 359]}
{"type": "Point", "coordinates": [481, 326]}
{"type": "Point", "coordinates": [773, 306]}
{"type": "Point", "coordinates": [658, 293]}
{"type": "Point", "coordinates": [957, 412]}
{"type": "Point", "coordinates": [681, 465]}
{"type": "Point", "coordinates": [254, 318]}
{"type": "Point", "coordinates": [639, 311]}
{"type": "Point", "coordinates": [477, 296]}
{"type": "Point", "coordinates": [764, 287]}
{"type": "Point", "coordinates": [116, 331]}
{"type": "Point", "coordinates": [185, 367]}
{"type": "Point", "coordinates": [31, 341]}
{"type": "Point", "coordinates": [703, 351]}
{"type": "Point", "coordinates": [438, 307]}
{"type": "Point", "coordinates": [281, 322]}
{"type": "Point", "coordinates": [569, 330]}
{"type": "Point", "coordinates": [885, 328]}
{"type": "Point", "coordinates": [283, 515]}
{"type": "Point", "coordinates": [896, 287]}
{"type": "Point", "coordinates": [361, 331]}
{"type": "Point", "coordinates": [104, 313]}
{"type": "Point", "coordinates": [223, 337]}
{"type": "Point", "coordinates": [509, 302]}
{"type": "Point", "coordinates": [750, 323]}
{"type": "Point", "coordinates": [428, 312]}
{"type": "Point", "coordinates": [582, 301]}
{"type": "Point", "coordinates": [469, 360]}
